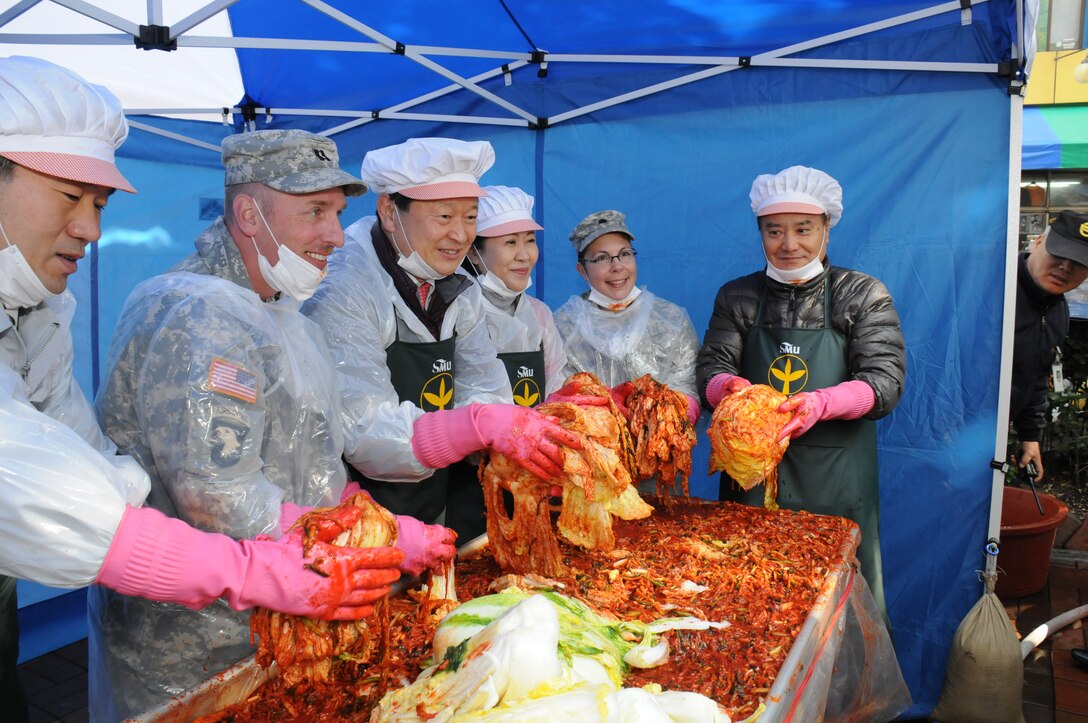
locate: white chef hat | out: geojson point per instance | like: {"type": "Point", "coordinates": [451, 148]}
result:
{"type": "Point", "coordinates": [798, 189]}
{"type": "Point", "coordinates": [429, 169]}
{"type": "Point", "coordinates": [53, 121]}
{"type": "Point", "coordinates": [505, 210]}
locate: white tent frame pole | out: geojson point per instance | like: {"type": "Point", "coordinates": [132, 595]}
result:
{"type": "Point", "coordinates": [174, 136]}
{"type": "Point", "coordinates": [511, 67]}
{"type": "Point", "coordinates": [16, 10]}
{"type": "Point", "coordinates": [196, 18]}
{"type": "Point", "coordinates": [102, 16]}
{"type": "Point", "coordinates": [154, 12]}
{"type": "Point", "coordinates": [761, 58]}
{"type": "Point", "coordinates": [415, 56]}
{"type": "Point", "coordinates": [1008, 319]}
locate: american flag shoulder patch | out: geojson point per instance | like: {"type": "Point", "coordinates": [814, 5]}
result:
{"type": "Point", "coordinates": [233, 380]}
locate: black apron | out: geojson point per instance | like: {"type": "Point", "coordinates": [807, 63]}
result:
{"type": "Point", "coordinates": [423, 373]}
{"type": "Point", "coordinates": [12, 700]}
{"type": "Point", "coordinates": [526, 372]}
{"type": "Point", "coordinates": [831, 469]}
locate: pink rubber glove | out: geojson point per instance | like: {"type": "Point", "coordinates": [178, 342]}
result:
{"type": "Point", "coordinates": [848, 400]}
{"type": "Point", "coordinates": [722, 385]}
{"type": "Point", "coordinates": [424, 546]}
{"type": "Point", "coordinates": [162, 558]}
{"type": "Point", "coordinates": [694, 408]}
{"type": "Point", "coordinates": [525, 435]}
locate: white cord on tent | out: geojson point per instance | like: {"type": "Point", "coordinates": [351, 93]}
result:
{"type": "Point", "coordinates": [1041, 633]}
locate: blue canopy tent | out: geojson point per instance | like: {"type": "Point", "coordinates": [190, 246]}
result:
{"type": "Point", "coordinates": [667, 111]}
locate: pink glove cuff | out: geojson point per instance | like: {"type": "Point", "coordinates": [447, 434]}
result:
{"type": "Point", "coordinates": [441, 438]}
{"type": "Point", "coordinates": [848, 400]}
{"type": "Point", "coordinates": [694, 408]}
{"type": "Point", "coordinates": [151, 557]}
{"type": "Point", "coordinates": [715, 388]}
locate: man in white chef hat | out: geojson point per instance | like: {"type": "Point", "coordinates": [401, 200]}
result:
{"type": "Point", "coordinates": [72, 509]}
{"type": "Point", "coordinates": [825, 336]}
{"type": "Point", "coordinates": [421, 383]}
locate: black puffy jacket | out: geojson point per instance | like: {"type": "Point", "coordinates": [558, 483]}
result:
{"type": "Point", "coordinates": [1042, 321]}
{"type": "Point", "coordinates": [862, 311]}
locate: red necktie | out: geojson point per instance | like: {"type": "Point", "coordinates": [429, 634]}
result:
{"type": "Point", "coordinates": [424, 290]}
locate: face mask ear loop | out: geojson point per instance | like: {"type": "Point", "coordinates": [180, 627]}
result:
{"type": "Point", "coordinates": [400, 222]}
{"type": "Point", "coordinates": [5, 235]}
{"type": "Point", "coordinates": [266, 226]}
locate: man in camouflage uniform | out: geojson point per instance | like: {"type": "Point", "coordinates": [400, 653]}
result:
{"type": "Point", "coordinates": [225, 394]}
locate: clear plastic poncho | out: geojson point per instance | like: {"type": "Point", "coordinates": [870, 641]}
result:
{"type": "Point", "coordinates": [651, 336]}
{"type": "Point", "coordinates": [63, 485]}
{"type": "Point", "coordinates": [527, 328]}
{"type": "Point", "coordinates": [361, 314]}
{"type": "Point", "coordinates": [231, 405]}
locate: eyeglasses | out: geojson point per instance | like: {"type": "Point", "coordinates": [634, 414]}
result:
{"type": "Point", "coordinates": [624, 257]}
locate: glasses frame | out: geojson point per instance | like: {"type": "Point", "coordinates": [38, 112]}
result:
{"type": "Point", "coordinates": [622, 257]}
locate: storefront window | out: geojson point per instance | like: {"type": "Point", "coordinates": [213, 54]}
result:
{"type": "Point", "coordinates": [1059, 24]}
{"type": "Point", "coordinates": [1044, 193]}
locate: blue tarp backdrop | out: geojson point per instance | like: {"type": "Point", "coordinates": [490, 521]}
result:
{"type": "Point", "coordinates": [923, 158]}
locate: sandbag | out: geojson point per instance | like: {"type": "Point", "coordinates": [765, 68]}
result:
{"type": "Point", "coordinates": [984, 678]}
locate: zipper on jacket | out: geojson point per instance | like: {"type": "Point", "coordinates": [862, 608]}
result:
{"type": "Point", "coordinates": [31, 358]}
{"type": "Point", "coordinates": [789, 306]}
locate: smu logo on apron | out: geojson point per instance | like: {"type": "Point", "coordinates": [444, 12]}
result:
{"type": "Point", "coordinates": [788, 372]}
{"type": "Point", "coordinates": [526, 391]}
{"type": "Point", "coordinates": [437, 391]}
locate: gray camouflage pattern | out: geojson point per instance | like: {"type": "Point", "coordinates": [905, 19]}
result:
{"type": "Point", "coordinates": [292, 161]}
{"type": "Point", "coordinates": [595, 225]}
{"type": "Point", "coordinates": [220, 463]}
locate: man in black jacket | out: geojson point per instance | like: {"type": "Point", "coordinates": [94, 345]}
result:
{"type": "Point", "coordinates": [1057, 262]}
{"type": "Point", "coordinates": [826, 336]}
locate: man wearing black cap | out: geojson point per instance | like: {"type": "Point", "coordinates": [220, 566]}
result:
{"type": "Point", "coordinates": [1057, 262]}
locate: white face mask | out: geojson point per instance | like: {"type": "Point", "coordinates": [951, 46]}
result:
{"type": "Point", "coordinates": [611, 304]}
{"type": "Point", "coordinates": [496, 285]}
{"type": "Point", "coordinates": [20, 287]}
{"type": "Point", "coordinates": [413, 263]}
{"type": "Point", "coordinates": [798, 276]}
{"type": "Point", "coordinates": [292, 275]}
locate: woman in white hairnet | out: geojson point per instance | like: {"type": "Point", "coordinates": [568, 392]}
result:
{"type": "Point", "coordinates": [72, 509]}
{"type": "Point", "coordinates": [421, 385]}
{"type": "Point", "coordinates": [502, 259]}
{"type": "Point", "coordinates": [616, 330]}
{"type": "Point", "coordinates": [827, 337]}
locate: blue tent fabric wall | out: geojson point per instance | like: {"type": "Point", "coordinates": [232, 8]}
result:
{"type": "Point", "coordinates": [923, 159]}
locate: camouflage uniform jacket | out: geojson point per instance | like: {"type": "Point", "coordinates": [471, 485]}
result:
{"type": "Point", "coordinates": [230, 404]}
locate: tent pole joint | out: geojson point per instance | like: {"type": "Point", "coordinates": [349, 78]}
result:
{"type": "Point", "coordinates": [1000, 465]}
{"type": "Point", "coordinates": [539, 125]}
{"type": "Point", "coordinates": [539, 57]}
{"type": "Point", "coordinates": [155, 37]}
{"type": "Point", "coordinates": [745, 61]}
{"type": "Point", "coordinates": [399, 48]}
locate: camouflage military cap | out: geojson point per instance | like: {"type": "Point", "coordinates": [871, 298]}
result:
{"type": "Point", "coordinates": [598, 224]}
{"type": "Point", "coordinates": [291, 161]}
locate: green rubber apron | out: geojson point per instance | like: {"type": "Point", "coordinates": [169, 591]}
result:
{"type": "Point", "coordinates": [422, 373]}
{"type": "Point", "coordinates": [11, 694]}
{"type": "Point", "coordinates": [526, 372]}
{"type": "Point", "coordinates": [831, 469]}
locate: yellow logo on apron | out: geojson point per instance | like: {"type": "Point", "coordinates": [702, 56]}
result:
{"type": "Point", "coordinates": [788, 374]}
{"type": "Point", "coordinates": [437, 392]}
{"type": "Point", "coordinates": [526, 392]}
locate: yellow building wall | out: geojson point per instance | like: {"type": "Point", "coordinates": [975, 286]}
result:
{"type": "Point", "coordinates": [1051, 80]}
